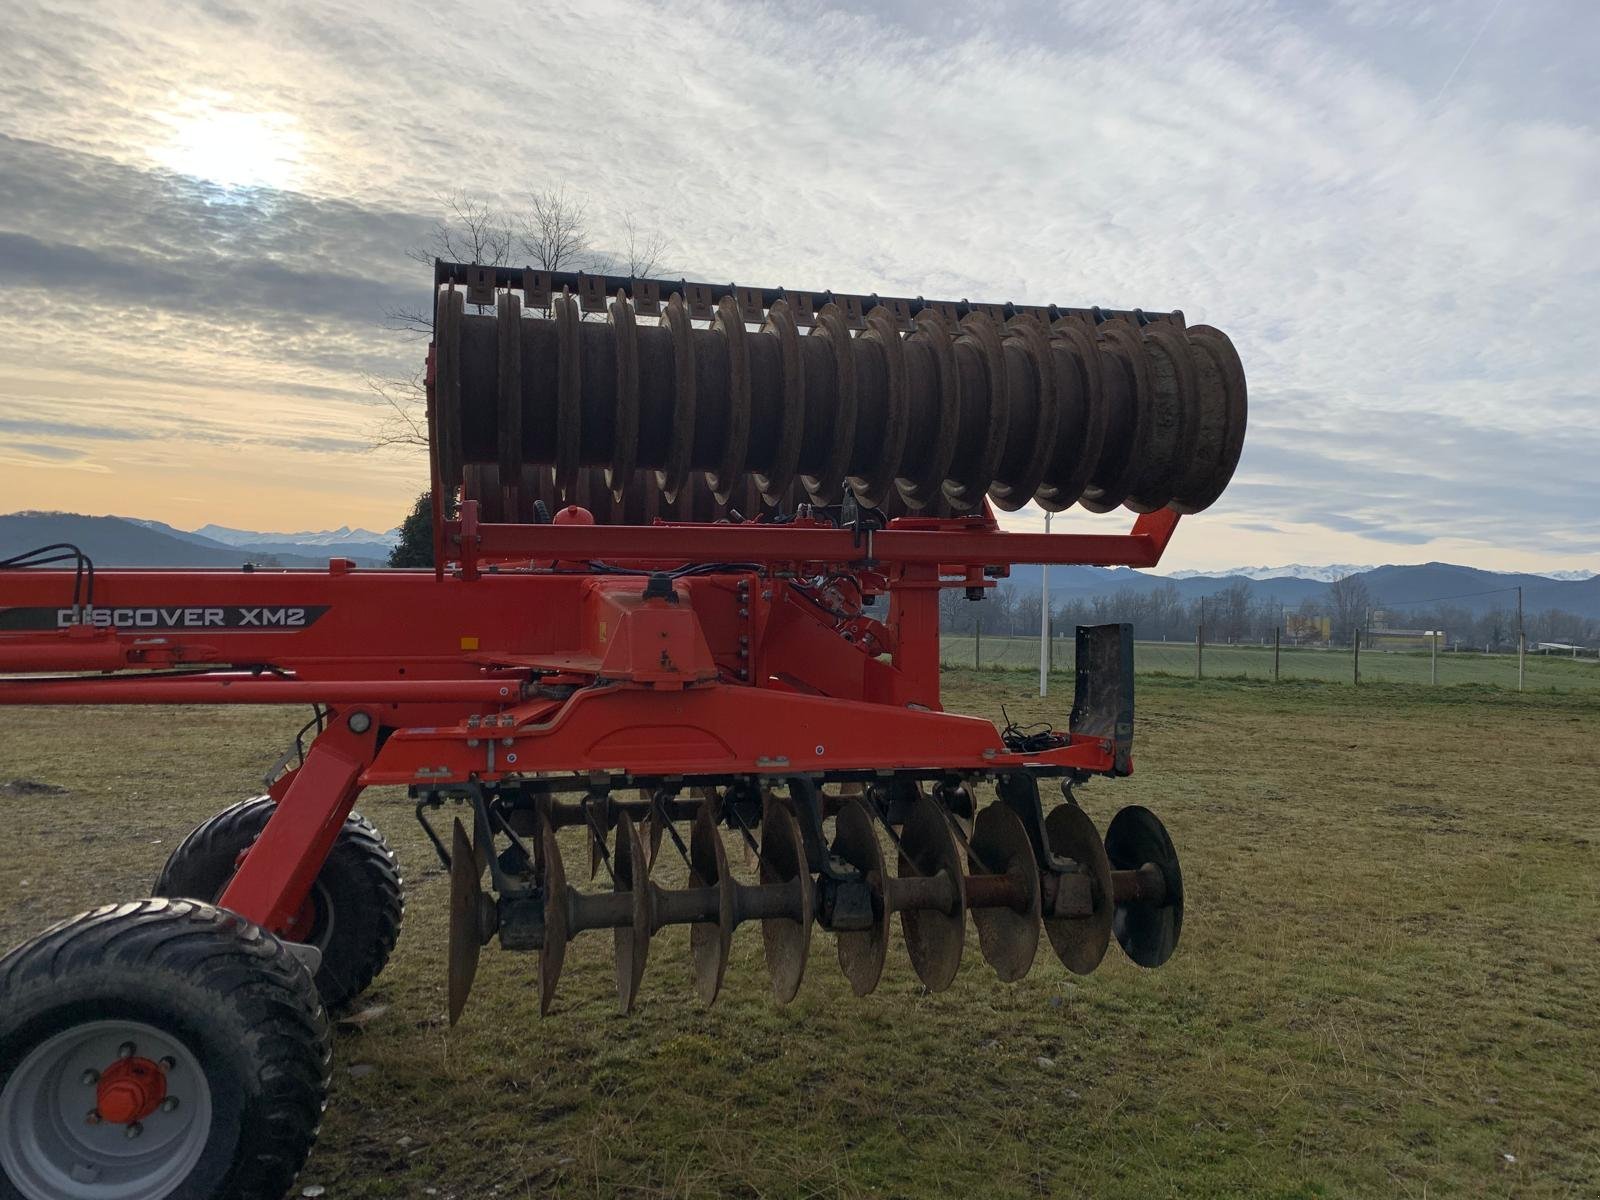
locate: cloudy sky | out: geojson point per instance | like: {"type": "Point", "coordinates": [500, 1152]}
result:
{"type": "Point", "coordinates": [1392, 208]}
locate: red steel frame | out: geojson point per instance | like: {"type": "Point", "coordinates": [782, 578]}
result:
{"type": "Point", "coordinates": [433, 679]}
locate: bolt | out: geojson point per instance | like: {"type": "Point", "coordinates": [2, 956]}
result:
{"type": "Point", "coordinates": [168, 1062]}
{"type": "Point", "coordinates": [360, 722]}
{"type": "Point", "coordinates": [90, 1077]}
{"type": "Point", "coordinates": [126, 1050]}
{"type": "Point", "coordinates": [170, 1104]}
{"type": "Point", "coordinates": [93, 1118]}
{"type": "Point", "coordinates": [133, 1131]}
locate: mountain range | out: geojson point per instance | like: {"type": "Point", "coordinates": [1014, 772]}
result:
{"type": "Point", "coordinates": [127, 542]}
{"type": "Point", "coordinates": [123, 542]}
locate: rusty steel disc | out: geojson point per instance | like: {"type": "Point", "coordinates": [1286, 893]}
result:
{"type": "Point", "coordinates": [631, 941]}
{"type": "Point", "coordinates": [675, 473]}
{"type": "Point", "coordinates": [1080, 942]}
{"type": "Point", "coordinates": [445, 411]}
{"type": "Point", "coordinates": [554, 949]}
{"type": "Point", "coordinates": [1008, 937]}
{"type": "Point", "coordinates": [708, 867]}
{"type": "Point", "coordinates": [787, 940]}
{"type": "Point", "coordinates": [978, 335]}
{"type": "Point", "coordinates": [1147, 933]}
{"type": "Point", "coordinates": [467, 934]}
{"type": "Point", "coordinates": [862, 951]}
{"type": "Point", "coordinates": [933, 937]}
{"type": "Point", "coordinates": [625, 431]}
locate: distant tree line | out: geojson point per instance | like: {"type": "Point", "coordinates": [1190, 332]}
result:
{"type": "Point", "coordinates": [1235, 615]}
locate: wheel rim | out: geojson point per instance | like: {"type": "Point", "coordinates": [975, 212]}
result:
{"type": "Point", "coordinates": [52, 1149]}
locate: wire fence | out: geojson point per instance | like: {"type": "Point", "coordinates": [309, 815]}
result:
{"type": "Point", "coordinates": [1445, 667]}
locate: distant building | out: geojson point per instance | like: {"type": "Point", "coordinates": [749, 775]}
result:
{"type": "Point", "coordinates": [1302, 628]}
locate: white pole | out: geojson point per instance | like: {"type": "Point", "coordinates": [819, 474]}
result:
{"type": "Point", "coordinates": [1044, 623]}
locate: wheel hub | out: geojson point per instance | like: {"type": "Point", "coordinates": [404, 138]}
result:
{"type": "Point", "coordinates": [129, 1090]}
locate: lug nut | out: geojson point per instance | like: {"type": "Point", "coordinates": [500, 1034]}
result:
{"type": "Point", "coordinates": [93, 1118]}
{"type": "Point", "coordinates": [167, 1062]}
{"type": "Point", "coordinates": [133, 1131]}
{"type": "Point", "coordinates": [90, 1077]}
{"type": "Point", "coordinates": [126, 1050]}
{"type": "Point", "coordinates": [170, 1104]}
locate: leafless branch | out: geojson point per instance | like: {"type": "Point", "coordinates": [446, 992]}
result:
{"type": "Point", "coordinates": [404, 422]}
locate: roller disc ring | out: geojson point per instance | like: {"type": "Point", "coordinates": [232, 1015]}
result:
{"type": "Point", "coordinates": [1122, 353]}
{"type": "Point", "coordinates": [736, 446]}
{"type": "Point", "coordinates": [708, 867]}
{"type": "Point", "coordinates": [1223, 409]}
{"type": "Point", "coordinates": [672, 477]}
{"type": "Point", "coordinates": [873, 489]}
{"type": "Point", "coordinates": [569, 394]}
{"type": "Point", "coordinates": [1009, 939]}
{"type": "Point", "coordinates": [775, 483]}
{"type": "Point", "coordinates": [554, 949]}
{"type": "Point", "coordinates": [933, 939]}
{"type": "Point", "coordinates": [927, 488]}
{"type": "Point", "coordinates": [979, 331]}
{"type": "Point", "coordinates": [1081, 426]}
{"type": "Point", "coordinates": [786, 940]}
{"type": "Point", "coordinates": [1173, 417]}
{"type": "Point", "coordinates": [447, 386]}
{"type": "Point", "coordinates": [508, 415]}
{"type": "Point", "coordinates": [1148, 934]}
{"type": "Point", "coordinates": [862, 951]}
{"type": "Point", "coordinates": [625, 447]}
{"type": "Point", "coordinates": [1012, 495]}
{"type": "Point", "coordinates": [828, 487]}
{"type": "Point", "coordinates": [1080, 942]}
{"type": "Point", "coordinates": [632, 941]}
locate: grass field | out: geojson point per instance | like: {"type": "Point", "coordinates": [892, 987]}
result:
{"type": "Point", "coordinates": [1387, 986]}
{"type": "Point", "coordinates": [1543, 673]}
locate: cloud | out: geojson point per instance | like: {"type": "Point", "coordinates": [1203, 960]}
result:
{"type": "Point", "coordinates": [1405, 274]}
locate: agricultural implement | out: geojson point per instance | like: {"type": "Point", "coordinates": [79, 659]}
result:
{"type": "Point", "coordinates": [690, 546]}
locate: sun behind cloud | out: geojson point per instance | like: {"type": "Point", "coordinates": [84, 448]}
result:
{"type": "Point", "coordinates": [210, 138]}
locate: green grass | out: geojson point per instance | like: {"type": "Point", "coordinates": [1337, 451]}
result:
{"type": "Point", "coordinates": [1543, 672]}
{"type": "Point", "coordinates": [1387, 984]}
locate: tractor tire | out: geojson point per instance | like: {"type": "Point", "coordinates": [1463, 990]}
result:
{"type": "Point", "coordinates": [158, 1048]}
{"type": "Point", "coordinates": [353, 914]}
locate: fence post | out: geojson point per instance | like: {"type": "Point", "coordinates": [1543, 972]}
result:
{"type": "Point", "coordinates": [1277, 650]}
{"type": "Point", "coordinates": [977, 644]}
{"type": "Point", "coordinates": [1355, 641]}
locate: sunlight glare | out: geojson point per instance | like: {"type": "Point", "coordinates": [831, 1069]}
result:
{"type": "Point", "coordinates": [209, 140]}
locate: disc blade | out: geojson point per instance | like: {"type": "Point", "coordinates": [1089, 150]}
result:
{"type": "Point", "coordinates": [466, 938]}
{"type": "Point", "coordinates": [554, 950]}
{"type": "Point", "coordinates": [631, 941]}
{"type": "Point", "coordinates": [708, 867]}
{"type": "Point", "coordinates": [1147, 933]}
{"type": "Point", "coordinates": [1008, 937]}
{"type": "Point", "coordinates": [786, 940]}
{"type": "Point", "coordinates": [862, 951]}
{"type": "Point", "coordinates": [1080, 941]}
{"type": "Point", "coordinates": [933, 938]}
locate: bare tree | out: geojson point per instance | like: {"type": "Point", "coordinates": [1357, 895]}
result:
{"type": "Point", "coordinates": [553, 231]}
{"type": "Point", "coordinates": [1352, 600]}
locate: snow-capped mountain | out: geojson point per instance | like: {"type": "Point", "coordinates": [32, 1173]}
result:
{"type": "Point", "coordinates": [1327, 574]}
{"type": "Point", "coordinates": [1330, 573]}
{"type": "Point", "coordinates": [325, 537]}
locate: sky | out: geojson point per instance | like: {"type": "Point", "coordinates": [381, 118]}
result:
{"type": "Point", "coordinates": [206, 208]}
